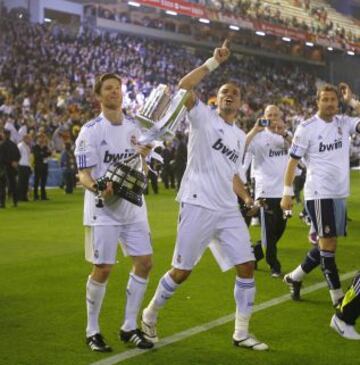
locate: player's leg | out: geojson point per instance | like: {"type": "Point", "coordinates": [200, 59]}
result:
{"type": "Point", "coordinates": [234, 240]}
{"type": "Point", "coordinates": [195, 229]}
{"type": "Point", "coordinates": [311, 261]}
{"type": "Point", "coordinates": [136, 242]}
{"type": "Point", "coordinates": [348, 312]}
{"type": "Point", "coordinates": [332, 223]}
{"type": "Point", "coordinates": [100, 249]}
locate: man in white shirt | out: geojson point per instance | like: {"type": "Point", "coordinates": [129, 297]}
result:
{"type": "Point", "coordinates": [269, 148]}
{"type": "Point", "coordinates": [323, 141]}
{"type": "Point", "coordinates": [24, 168]}
{"type": "Point", "coordinates": [111, 137]}
{"type": "Point", "coordinates": [208, 202]}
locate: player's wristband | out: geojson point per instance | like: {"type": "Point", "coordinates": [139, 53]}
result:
{"type": "Point", "coordinates": [211, 64]}
{"type": "Point", "coordinates": [288, 191]}
{"type": "Point", "coordinates": [354, 103]}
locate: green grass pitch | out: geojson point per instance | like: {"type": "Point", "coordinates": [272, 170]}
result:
{"type": "Point", "coordinates": [42, 299]}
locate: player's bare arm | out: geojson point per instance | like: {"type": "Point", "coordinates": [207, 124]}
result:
{"type": "Point", "coordinates": [241, 191]}
{"type": "Point", "coordinates": [286, 201]}
{"type": "Point", "coordinates": [90, 184]}
{"type": "Point", "coordinates": [257, 128]}
{"type": "Point", "coordinates": [347, 96]}
{"type": "Point", "coordinates": [194, 77]}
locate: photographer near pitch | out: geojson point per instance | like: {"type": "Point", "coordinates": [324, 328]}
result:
{"type": "Point", "coordinates": [268, 143]}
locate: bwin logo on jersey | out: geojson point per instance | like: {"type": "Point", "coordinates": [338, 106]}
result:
{"type": "Point", "coordinates": [230, 154]}
{"type": "Point", "coordinates": [330, 146]}
{"type": "Point", "coordinates": [116, 157]}
{"type": "Point", "coordinates": [277, 153]}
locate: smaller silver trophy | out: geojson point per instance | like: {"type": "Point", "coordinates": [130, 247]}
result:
{"type": "Point", "coordinates": [159, 119]}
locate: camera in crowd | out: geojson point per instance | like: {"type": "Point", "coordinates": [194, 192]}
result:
{"type": "Point", "coordinates": [263, 122]}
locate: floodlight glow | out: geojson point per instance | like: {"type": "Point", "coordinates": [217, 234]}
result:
{"type": "Point", "coordinates": [286, 39]}
{"type": "Point", "coordinates": [203, 20]}
{"type": "Point", "coordinates": [171, 12]}
{"type": "Point", "coordinates": [330, 49]}
{"type": "Point", "coordinates": [47, 20]}
{"type": "Point", "coordinates": [310, 44]}
{"type": "Point", "coordinates": [134, 3]}
{"type": "Point", "coordinates": [260, 33]}
{"type": "Point", "coordinates": [351, 53]}
{"type": "Point", "coordinates": [234, 27]}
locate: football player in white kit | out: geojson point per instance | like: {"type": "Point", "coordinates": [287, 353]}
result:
{"type": "Point", "coordinates": [109, 138]}
{"type": "Point", "coordinates": [208, 202]}
{"type": "Point", "coordinates": [323, 141]}
{"type": "Point", "coordinates": [268, 145]}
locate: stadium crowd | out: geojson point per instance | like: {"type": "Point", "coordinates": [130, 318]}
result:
{"type": "Point", "coordinates": [47, 77]}
{"type": "Point", "coordinates": [254, 10]}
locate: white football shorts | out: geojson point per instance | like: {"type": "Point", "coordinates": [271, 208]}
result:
{"type": "Point", "coordinates": [198, 226]}
{"type": "Point", "coordinates": [101, 242]}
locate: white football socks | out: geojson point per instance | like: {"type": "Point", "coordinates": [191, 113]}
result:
{"type": "Point", "coordinates": [135, 291]}
{"type": "Point", "coordinates": [95, 293]}
{"type": "Point", "coordinates": [244, 293]}
{"type": "Point", "coordinates": [297, 274]}
{"type": "Point", "coordinates": [164, 292]}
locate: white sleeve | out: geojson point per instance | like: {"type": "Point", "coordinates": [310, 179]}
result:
{"type": "Point", "coordinates": [85, 149]}
{"type": "Point", "coordinates": [199, 115]}
{"type": "Point", "coordinates": [352, 124]}
{"type": "Point", "coordinates": [300, 142]}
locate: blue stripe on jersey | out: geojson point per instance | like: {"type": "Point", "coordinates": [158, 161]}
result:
{"type": "Point", "coordinates": [308, 122]}
{"type": "Point", "coordinates": [81, 161]}
{"type": "Point", "coordinates": [294, 152]}
{"type": "Point", "coordinates": [93, 122]}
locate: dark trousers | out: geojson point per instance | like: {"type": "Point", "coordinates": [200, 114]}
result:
{"type": "Point", "coordinates": [69, 180]}
{"type": "Point", "coordinates": [179, 175]}
{"type": "Point", "coordinates": [11, 175]}
{"type": "Point", "coordinates": [152, 177]}
{"type": "Point", "coordinates": [23, 182]}
{"type": "Point", "coordinates": [272, 228]}
{"type": "Point", "coordinates": [2, 189]}
{"type": "Point", "coordinates": [40, 177]}
{"type": "Point", "coordinates": [168, 177]}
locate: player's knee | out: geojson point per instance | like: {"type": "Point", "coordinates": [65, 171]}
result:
{"type": "Point", "coordinates": [143, 266]}
{"type": "Point", "coordinates": [245, 270]}
{"type": "Point", "coordinates": [328, 243]}
{"type": "Point", "coordinates": [101, 272]}
{"type": "Point", "coordinates": [179, 276]}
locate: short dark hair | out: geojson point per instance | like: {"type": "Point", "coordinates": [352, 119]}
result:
{"type": "Point", "coordinates": [102, 78]}
{"type": "Point", "coordinates": [327, 88]}
{"type": "Point", "coordinates": [234, 83]}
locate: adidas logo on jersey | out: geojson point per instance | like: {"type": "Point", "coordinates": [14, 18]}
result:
{"type": "Point", "coordinates": [116, 157]}
{"type": "Point", "coordinates": [230, 154]}
{"type": "Point", "coordinates": [330, 146]}
{"type": "Point", "coordinates": [277, 153]}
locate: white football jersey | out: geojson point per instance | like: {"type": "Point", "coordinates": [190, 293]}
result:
{"type": "Point", "coordinates": [270, 157]}
{"type": "Point", "coordinates": [99, 144]}
{"type": "Point", "coordinates": [215, 153]}
{"type": "Point", "coordinates": [325, 149]}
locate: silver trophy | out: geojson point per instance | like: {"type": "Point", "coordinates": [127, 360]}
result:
{"type": "Point", "coordinates": [161, 114]}
{"type": "Point", "coordinates": [159, 119]}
